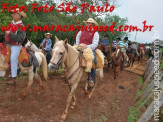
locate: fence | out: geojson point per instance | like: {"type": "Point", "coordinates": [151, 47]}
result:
{"type": "Point", "coordinates": [146, 99]}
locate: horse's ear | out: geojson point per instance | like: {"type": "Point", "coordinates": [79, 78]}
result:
{"type": "Point", "coordinates": [66, 41]}
{"type": "Point", "coordinates": [56, 39]}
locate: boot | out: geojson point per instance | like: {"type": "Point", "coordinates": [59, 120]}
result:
{"type": "Point", "coordinates": [90, 84]}
{"type": "Point", "coordinates": [12, 81]}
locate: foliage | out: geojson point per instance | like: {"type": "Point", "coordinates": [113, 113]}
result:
{"type": "Point", "coordinates": [60, 18]}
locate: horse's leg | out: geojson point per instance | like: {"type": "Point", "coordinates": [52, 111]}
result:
{"type": "Point", "coordinates": [86, 88]}
{"type": "Point", "coordinates": [71, 94]}
{"type": "Point", "coordinates": [30, 82]}
{"type": "Point", "coordinates": [115, 71]}
{"type": "Point", "coordinates": [92, 90]}
{"type": "Point", "coordinates": [40, 82]}
{"type": "Point", "coordinates": [108, 66]}
{"type": "Point", "coordinates": [73, 101]}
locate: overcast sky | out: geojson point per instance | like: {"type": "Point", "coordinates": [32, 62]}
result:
{"type": "Point", "coordinates": [139, 10]}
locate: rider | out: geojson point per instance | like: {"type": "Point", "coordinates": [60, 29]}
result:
{"type": "Point", "coordinates": [15, 38]}
{"type": "Point", "coordinates": [114, 45]}
{"type": "Point", "coordinates": [46, 46]}
{"type": "Point", "coordinates": [135, 47]}
{"type": "Point", "coordinates": [124, 46]}
{"type": "Point", "coordinates": [104, 42]}
{"type": "Point", "coordinates": [142, 47]}
{"type": "Point", "coordinates": [87, 39]}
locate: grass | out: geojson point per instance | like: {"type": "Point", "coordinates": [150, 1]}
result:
{"type": "Point", "coordinates": [161, 66]}
{"type": "Point", "coordinates": [134, 113]}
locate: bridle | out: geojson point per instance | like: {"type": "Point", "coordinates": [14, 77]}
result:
{"type": "Point", "coordinates": [60, 61]}
{"type": "Point", "coordinates": [29, 46]}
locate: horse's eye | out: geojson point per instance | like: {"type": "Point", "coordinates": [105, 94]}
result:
{"type": "Point", "coordinates": [61, 53]}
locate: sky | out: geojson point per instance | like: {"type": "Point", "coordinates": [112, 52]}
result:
{"type": "Point", "coordinates": [138, 11]}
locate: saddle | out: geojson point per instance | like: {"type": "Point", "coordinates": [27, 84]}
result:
{"type": "Point", "coordinates": [23, 57]}
{"type": "Point", "coordinates": [87, 60]}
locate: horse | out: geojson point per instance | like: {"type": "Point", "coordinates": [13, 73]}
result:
{"type": "Point", "coordinates": [107, 51]}
{"type": "Point", "coordinates": [117, 61]}
{"type": "Point", "coordinates": [131, 55]}
{"type": "Point", "coordinates": [31, 45]}
{"type": "Point", "coordinates": [32, 71]}
{"type": "Point", "coordinates": [63, 52]}
{"type": "Point", "coordinates": [140, 57]}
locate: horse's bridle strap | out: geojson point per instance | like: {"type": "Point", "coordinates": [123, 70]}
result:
{"type": "Point", "coordinates": [71, 76]}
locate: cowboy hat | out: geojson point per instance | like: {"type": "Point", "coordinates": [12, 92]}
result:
{"type": "Point", "coordinates": [20, 13]}
{"type": "Point", "coordinates": [48, 34]}
{"type": "Point", "coordinates": [91, 21]}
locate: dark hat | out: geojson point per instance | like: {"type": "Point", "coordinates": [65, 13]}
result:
{"type": "Point", "coordinates": [126, 38]}
{"type": "Point", "coordinates": [118, 38]}
{"type": "Point", "coordinates": [106, 36]}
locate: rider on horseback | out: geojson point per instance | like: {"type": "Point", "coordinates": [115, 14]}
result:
{"type": "Point", "coordinates": [135, 47]}
{"type": "Point", "coordinates": [124, 46]}
{"type": "Point", "coordinates": [46, 46]}
{"type": "Point", "coordinates": [104, 42]}
{"type": "Point", "coordinates": [87, 40]}
{"type": "Point", "coordinates": [14, 38]}
{"type": "Point", "coordinates": [114, 45]}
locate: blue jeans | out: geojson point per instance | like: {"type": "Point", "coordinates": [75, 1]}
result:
{"type": "Point", "coordinates": [93, 71]}
{"type": "Point", "coordinates": [15, 51]}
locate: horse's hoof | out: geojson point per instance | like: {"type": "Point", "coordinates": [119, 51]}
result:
{"type": "Point", "coordinates": [86, 92]}
{"type": "Point", "coordinates": [72, 106]}
{"type": "Point", "coordinates": [63, 117]}
{"type": "Point", "coordinates": [21, 98]}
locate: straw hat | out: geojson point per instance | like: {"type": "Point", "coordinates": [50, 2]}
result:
{"type": "Point", "coordinates": [48, 34]}
{"type": "Point", "coordinates": [21, 13]}
{"type": "Point", "coordinates": [91, 21]}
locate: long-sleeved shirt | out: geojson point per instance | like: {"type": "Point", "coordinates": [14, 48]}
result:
{"type": "Point", "coordinates": [94, 41]}
{"type": "Point", "coordinates": [48, 44]}
{"type": "Point", "coordinates": [114, 43]}
{"type": "Point", "coordinates": [16, 36]}
{"type": "Point", "coordinates": [121, 44]}
{"type": "Point", "coordinates": [134, 46]}
{"type": "Point", "coordinates": [104, 41]}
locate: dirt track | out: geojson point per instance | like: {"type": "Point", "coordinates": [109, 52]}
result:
{"type": "Point", "coordinates": [108, 103]}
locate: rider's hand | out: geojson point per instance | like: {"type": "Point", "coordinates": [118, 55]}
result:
{"type": "Point", "coordinates": [83, 46]}
{"type": "Point", "coordinates": [7, 32]}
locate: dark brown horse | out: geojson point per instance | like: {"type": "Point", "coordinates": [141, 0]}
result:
{"type": "Point", "coordinates": [117, 61]}
{"type": "Point", "coordinates": [107, 51]}
{"type": "Point", "coordinates": [141, 53]}
{"type": "Point", "coordinates": [131, 55]}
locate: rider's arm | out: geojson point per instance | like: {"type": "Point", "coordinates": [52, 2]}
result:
{"type": "Point", "coordinates": [94, 41]}
{"type": "Point", "coordinates": [18, 36]}
{"type": "Point", "coordinates": [48, 45]}
{"type": "Point", "coordinates": [42, 43]}
{"type": "Point", "coordinates": [78, 37]}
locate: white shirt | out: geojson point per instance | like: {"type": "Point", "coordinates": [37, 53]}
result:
{"type": "Point", "coordinates": [95, 40]}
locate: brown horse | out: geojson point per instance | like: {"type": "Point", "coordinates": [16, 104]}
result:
{"type": "Point", "coordinates": [31, 74]}
{"type": "Point", "coordinates": [107, 51]}
{"type": "Point", "coordinates": [131, 56]}
{"type": "Point", "coordinates": [117, 61]}
{"type": "Point", "coordinates": [62, 52]}
{"type": "Point", "coordinates": [141, 53]}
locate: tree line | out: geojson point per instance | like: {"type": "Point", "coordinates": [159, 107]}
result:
{"type": "Point", "coordinates": [62, 18]}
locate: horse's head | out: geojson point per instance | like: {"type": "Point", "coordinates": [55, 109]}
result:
{"type": "Point", "coordinates": [59, 53]}
{"type": "Point", "coordinates": [29, 44]}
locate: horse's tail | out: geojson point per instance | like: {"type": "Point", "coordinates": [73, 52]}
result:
{"type": "Point", "coordinates": [101, 73]}
{"type": "Point", "coordinates": [44, 66]}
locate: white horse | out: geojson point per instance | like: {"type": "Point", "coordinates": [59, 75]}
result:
{"type": "Point", "coordinates": [31, 74]}
{"type": "Point", "coordinates": [32, 46]}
